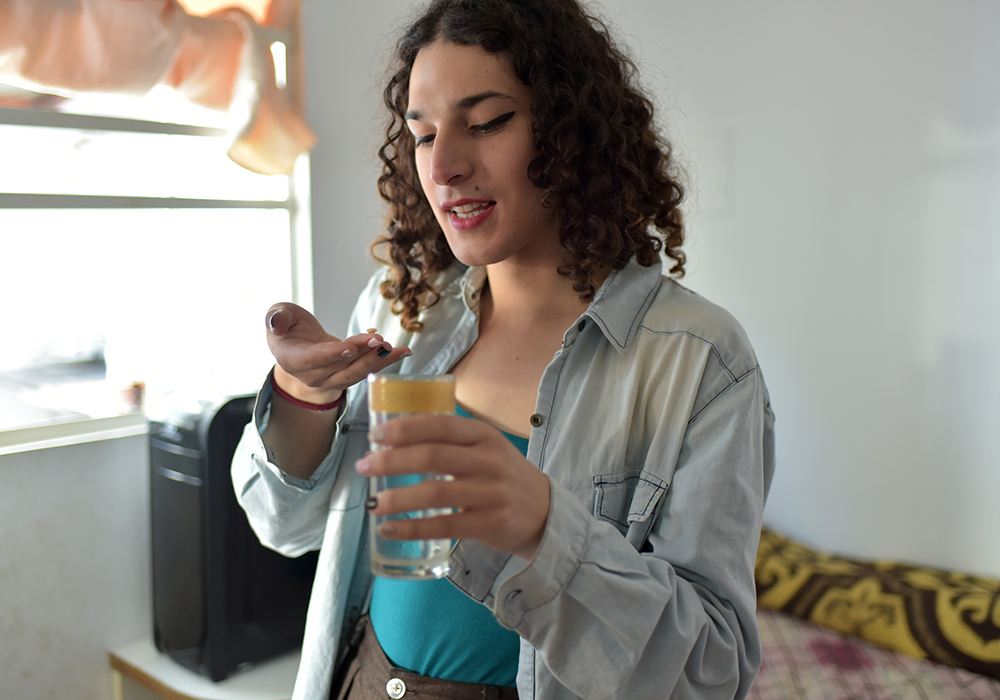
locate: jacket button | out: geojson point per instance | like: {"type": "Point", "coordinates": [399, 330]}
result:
{"type": "Point", "coordinates": [396, 688]}
{"type": "Point", "coordinates": [536, 420]}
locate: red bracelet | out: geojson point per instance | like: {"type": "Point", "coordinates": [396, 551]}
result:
{"type": "Point", "coordinates": [303, 404]}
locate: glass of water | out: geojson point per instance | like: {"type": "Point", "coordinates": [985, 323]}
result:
{"type": "Point", "coordinates": [391, 396]}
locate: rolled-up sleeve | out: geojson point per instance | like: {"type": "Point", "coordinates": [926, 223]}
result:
{"type": "Point", "coordinates": [287, 514]}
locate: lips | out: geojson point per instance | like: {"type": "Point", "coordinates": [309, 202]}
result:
{"type": "Point", "coordinates": [467, 214]}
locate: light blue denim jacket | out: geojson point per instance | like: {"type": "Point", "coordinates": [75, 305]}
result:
{"type": "Point", "coordinates": [654, 426]}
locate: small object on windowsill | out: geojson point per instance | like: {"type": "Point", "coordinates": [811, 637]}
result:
{"type": "Point", "coordinates": [132, 399]}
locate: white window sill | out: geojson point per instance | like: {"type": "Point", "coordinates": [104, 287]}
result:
{"type": "Point", "coordinates": [72, 433]}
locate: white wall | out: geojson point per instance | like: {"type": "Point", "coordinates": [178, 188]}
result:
{"type": "Point", "coordinates": [74, 566]}
{"type": "Point", "coordinates": [845, 164]}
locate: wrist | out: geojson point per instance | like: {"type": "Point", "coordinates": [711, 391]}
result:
{"type": "Point", "coordinates": [303, 397]}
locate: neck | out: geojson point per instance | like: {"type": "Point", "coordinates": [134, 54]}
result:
{"type": "Point", "coordinates": [535, 293]}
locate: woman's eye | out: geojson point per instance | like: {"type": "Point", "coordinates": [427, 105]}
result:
{"type": "Point", "coordinates": [493, 124]}
{"type": "Point", "coordinates": [484, 128]}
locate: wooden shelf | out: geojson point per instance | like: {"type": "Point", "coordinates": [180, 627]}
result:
{"type": "Point", "coordinates": [141, 662]}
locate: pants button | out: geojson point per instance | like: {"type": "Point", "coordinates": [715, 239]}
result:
{"type": "Point", "coordinates": [396, 688]}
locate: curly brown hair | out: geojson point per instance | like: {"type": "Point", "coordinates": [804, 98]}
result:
{"type": "Point", "coordinates": [601, 161]}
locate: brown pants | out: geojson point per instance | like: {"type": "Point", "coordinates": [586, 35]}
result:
{"type": "Point", "coordinates": [367, 674]}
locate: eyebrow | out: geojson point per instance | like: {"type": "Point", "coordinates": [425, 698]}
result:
{"type": "Point", "coordinates": [464, 103]}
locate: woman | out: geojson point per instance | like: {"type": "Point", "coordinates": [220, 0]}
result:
{"type": "Point", "coordinates": [614, 447]}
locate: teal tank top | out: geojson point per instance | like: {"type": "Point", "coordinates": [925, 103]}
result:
{"type": "Point", "coordinates": [432, 628]}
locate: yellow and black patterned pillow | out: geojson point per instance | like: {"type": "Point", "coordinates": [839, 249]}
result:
{"type": "Point", "coordinates": [948, 617]}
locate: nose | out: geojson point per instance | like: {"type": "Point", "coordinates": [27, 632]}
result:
{"type": "Point", "coordinates": [451, 158]}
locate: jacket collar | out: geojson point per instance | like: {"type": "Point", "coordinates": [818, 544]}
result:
{"type": "Point", "coordinates": [622, 301]}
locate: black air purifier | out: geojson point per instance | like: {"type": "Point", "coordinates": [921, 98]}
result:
{"type": "Point", "coordinates": [221, 600]}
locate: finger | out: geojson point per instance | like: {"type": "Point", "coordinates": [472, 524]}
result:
{"type": "Point", "coordinates": [463, 494]}
{"type": "Point", "coordinates": [412, 459]}
{"type": "Point", "coordinates": [317, 350]}
{"type": "Point", "coordinates": [365, 342]}
{"type": "Point", "coordinates": [510, 526]}
{"type": "Point", "coordinates": [280, 317]}
{"type": "Point", "coordinates": [305, 356]}
{"type": "Point", "coordinates": [391, 357]}
{"type": "Point", "coordinates": [369, 362]}
{"type": "Point", "coordinates": [431, 427]}
{"type": "Point", "coordinates": [425, 458]}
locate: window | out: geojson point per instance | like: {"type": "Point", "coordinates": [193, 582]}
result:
{"type": "Point", "coordinates": [136, 254]}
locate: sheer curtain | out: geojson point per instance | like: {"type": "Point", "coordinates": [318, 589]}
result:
{"type": "Point", "coordinates": [217, 54]}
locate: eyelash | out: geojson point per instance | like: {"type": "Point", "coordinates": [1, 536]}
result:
{"type": "Point", "coordinates": [494, 124]}
{"type": "Point", "coordinates": [485, 128]}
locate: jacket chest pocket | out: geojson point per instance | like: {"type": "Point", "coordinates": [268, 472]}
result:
{"type": "Point", "coordinates": [630, 501]}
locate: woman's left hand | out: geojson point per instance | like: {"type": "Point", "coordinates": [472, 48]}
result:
{"type": "Point", "coordinates": [500, 497]}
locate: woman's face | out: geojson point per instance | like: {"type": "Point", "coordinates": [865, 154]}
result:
{"type": "Point", "coordinates": [471, 120]}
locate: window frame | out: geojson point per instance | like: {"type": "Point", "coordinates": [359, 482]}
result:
{"type": "Point", "coordinates": [298, 206]}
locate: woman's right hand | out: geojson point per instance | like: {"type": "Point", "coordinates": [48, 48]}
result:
{"type": "Point", "coordinates": [316, 367]}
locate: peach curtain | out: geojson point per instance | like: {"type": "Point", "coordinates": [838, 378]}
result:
{"type": "Point", "coordinates": [214, 55]}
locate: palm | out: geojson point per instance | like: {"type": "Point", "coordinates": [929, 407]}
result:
{"type": "Point", "coordinates": [298, 341]}
{"type": "Point", "coordinates": [316, 360]}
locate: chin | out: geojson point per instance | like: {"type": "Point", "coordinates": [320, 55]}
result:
{"type": "Point", "coordinates": [471, 259]}
{"type": "Point", "coordinates": [471, 254]}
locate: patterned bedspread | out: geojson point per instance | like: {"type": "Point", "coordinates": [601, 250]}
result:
{"type": "Point", "coordinates": [803, 661]}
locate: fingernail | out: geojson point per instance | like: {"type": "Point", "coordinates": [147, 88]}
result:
{"type": "Point", "coordinates": [406, 353]}
{"type": "Point", "coordinates": [377, 435]}
{"type": "Point", "coordinates": [370, 503]}
{"type": "Point", "coordinates": [374, 342]}
{"type": "Point", "coordinates": [270, 320]}
{"type": "Point", "coordinates": [363, 466]}
{"type": "Point", "coordinates": [348, 353]}
{"type": "Point", "coordinates": [382, 352]}
{"type": "Point", "coordinates": [387, 529]}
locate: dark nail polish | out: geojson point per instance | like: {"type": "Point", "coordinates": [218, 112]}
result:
{"type": "Point", "coordinates": [371, 503]}
{"type": "Point", "coordinates": [381, 352]}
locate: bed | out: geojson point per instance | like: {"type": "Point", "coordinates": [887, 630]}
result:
{"type": "Point", "coordinates": [836, 629]}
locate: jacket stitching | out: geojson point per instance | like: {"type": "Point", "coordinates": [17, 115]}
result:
{"type": "Point", "coordinates": [635, 322]}
{"type": "Point", "coordinates": [659, 488]}
{"type": "Point", "coordinates": [709, 343]}
{"type": "Point", "coordinates": [736, 381]}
